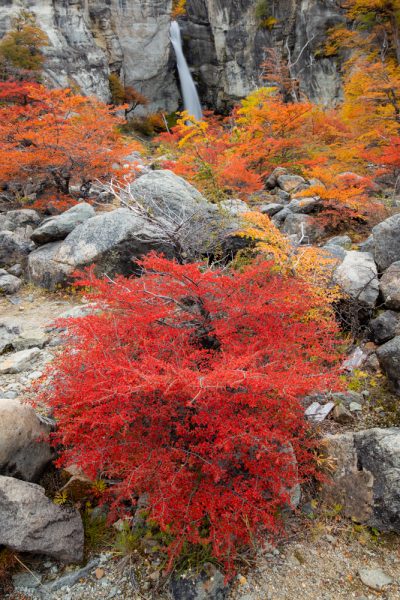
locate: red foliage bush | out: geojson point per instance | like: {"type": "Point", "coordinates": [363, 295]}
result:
{"type": "Point", "coordinates": [185, 386]}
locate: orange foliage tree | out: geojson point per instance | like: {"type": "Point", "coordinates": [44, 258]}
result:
{"type": "Point", "coordinates": [235, 155]}
{"type": "Point", "coordinates": [56, 137]}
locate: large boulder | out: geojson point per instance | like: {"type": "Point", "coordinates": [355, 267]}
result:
{"type": "Point", "coordinates": [387, 242]}
{"type": "Point", "coordinates": [290, 183]}
{"type": "Point", "coordinates": [390, 286]}
{"type": "Point", "coordinates": [14, 247]}
{"type": "Point", "coordinates": [389, 359]}
{"type": "Point", "coordinates": [367, 477]}
{"type": "Point", "coordinates": [112, 241]}
{"type": "Point", "coordinates": [58, 227]}
{"type": "Point", "coordinates": [304, 205]}
{"type": "Point", "coordinates": [272, 181]}
{"type": "Point", "coordinates": [8, 332]}
{"type": "Point", "coordinates": [202, 227]}
{"type": "Point", "coordinates": [24, 449]}
{"type": "Point", "coordinates": [15, 219]}
{"type": "Point", "coordinates": [31, 522]}
{"type": "Point", "coordinates": [358, 277]}
{"type": "Point", "coordinates": [385, 326]}
{"type": "Point", "coordinates": [168, 215]}
{"type": "Point", "coordinates": [304, 228]}
{"type": "Point", "coordinates": [9, 284]}
{"type": "Point", "coordinates": [18, 361]}
{"type": "Point", "coordinates": [344, 241]}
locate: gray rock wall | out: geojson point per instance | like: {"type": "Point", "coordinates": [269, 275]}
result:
{"type": "Point", "coordinates": [223, 41]}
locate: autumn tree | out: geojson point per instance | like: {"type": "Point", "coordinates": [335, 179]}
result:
{"type": "Point", "coordinates": [56, 137]}
{"type": "Point", "coordinates": [277, 71]}
{"type": "Point", "coordinates": [125, 95]}
{"type": "Point", "coordinates": [178, 8]}
{"type": "Point", "coordinates": [21, 55]}
{"type": "Point", "coordinates": [373, 29]}
{"type": "Point", "coordinates": [186, 387]}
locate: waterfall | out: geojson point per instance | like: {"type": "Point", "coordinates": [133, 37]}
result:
{"type": "Point", "coordinates": [191, 99]}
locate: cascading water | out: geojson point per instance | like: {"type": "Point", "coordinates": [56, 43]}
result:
{"type": "Point", "coordinates": [191, 99]}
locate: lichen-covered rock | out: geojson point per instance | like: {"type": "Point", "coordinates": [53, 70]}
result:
{"type": "Point", "coordinates": [304, 228]}
{"type": "Point", "coordinates": [344, 241]}
{"type": "Point", "coordinates": [289, 183]}
{"type": "Point", "coordinates": [389, 359]}
{"type": "Point", "coordinates": [385, 326]}
{"type": "Point", "coordinates": [304, 205]}
{"type": "Point", "coordinates": [14, 247]}
{"type": "Point", "coordinates": [387, 242]}
{"type": "Point", "coordinates": [367, 477]}
{"type": "Point", "coordinates": [58, 227]}
{"type": "Point", "coordinates": [390, 286]}
{"type": "Point", "coordinates": [31, 522]}
{"type": "Point", "coordinates": [270, 209]}
{"type": "Point", "coordinates": [14, 219]}
{"type": "Point", "coordinates": [19, 361]}
{"type": "Point", "coordinates": [9, 284]}
{"type": "Point", "coordinates": [358, 277]}
{"type": "Point", "coordinates": [111, 241]}
{"type": "Point", "coordinates": [24, 448]}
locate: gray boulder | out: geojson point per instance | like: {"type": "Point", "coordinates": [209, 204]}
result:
{"type": "Point", "coordinates": [272, 181]}
{"type": "Point", "coordinates": [387, 242]}
{"type": "Point", "coordinates": [290, 183]}
{"type": "Point", "coordinates": [389, 359]}
{"type": "Point", "coordinates": [304, 205]}
{"type": "Point", "coordinates": [385, 326]}
{"type": "Point", "coordinates": [24, 451]}
{"type": "Point", "coordinates": [302, 227]}
{"type": "Point", "coordinates": [16, 270]}
{"type": "Point", "coordinates": [19, 361]}
{"type": "Point", "coordinates": [367, 245]}
{"type": "Point", "coordinates": [31, 522]}
{"type": "Point", "coordinates": [390, 286]}
{"type": "Point", "coordinates": [367, 477]}
{"type": "Point", "coordinates": [14, 247]}
{"type": "Point", "coordinates": [358, 277]}
{"type": "Point", "coordinates": [280, 217]}
{"type": "Point", "coordinates": [9, 284]}
{"type": "Point", "coordinates": [234, 207]}
{"type": "Point", "coordinates": [7, 334]}
{"type": "Point", "coordinates": [344, 241]}
{"type": "Point", "coordinates": [112, 241]}
{"type": "Point", "coordinates": [281, 196]}
{"type": "Point", "coordinates": [169, 215]}
{"type": "Point", "coordinates": [58, 227]}
{"type": "Point", "coordinates": [333, 252]}
{"type": "Point", "coordinates": [202, 226]}
{"type": "Point", "coordinates": [14, 219]}
{"type": "Point", "coordinates": [270, 209]}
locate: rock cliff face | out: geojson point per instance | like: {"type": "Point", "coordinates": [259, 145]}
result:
{"type": "Point", "coordinates": [90, 38]}
{"type": "Point", "coordinates": [226, 46]}
{"type": "Point", "coordinates": [223, 41]}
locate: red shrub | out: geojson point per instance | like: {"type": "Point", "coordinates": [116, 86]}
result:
{"type": "Point", "coordinates": [186, 387]}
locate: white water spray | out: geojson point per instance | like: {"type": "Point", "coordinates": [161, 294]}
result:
{"type": "Point", "coordinates": [191, 99]}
